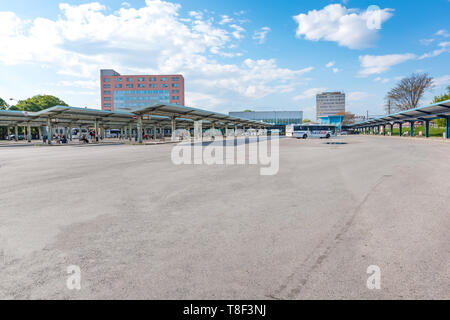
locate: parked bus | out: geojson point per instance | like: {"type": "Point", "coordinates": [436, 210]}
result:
{"type": "Point", "coordinates": [305, 131]}
{"type": "Point", "coordinates": [290, 130]}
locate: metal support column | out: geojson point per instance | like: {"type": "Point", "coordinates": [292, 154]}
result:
{"type": "Point", "coordinates": [70, 131]}
{"type": "Point", "coordinates": [96, 131]}
{"type": "Point", "coordinates": [400, 125]}
{"type": "Point", "coordinates": [16, 133]}
{"type": "Point", "coordinates": [129, 132]}
{"type": "Point", "coordinates": [392, 129]}
{"type": "Point", "coordinates": [139, 129]}
{"type": "Point", "coordinates": [49, 131]}
{"type": "Point", "coordinates": [447, 127]}
{"type": "Point", "coordinates": [154, 132]}
{"type": "Point", "coordinates": [173, 127]}
{"type": "Point", "coordinates": [427, 128]}
{"type": "Point", "coordinates": [411, 129]}
{"type": "Point", "coordinates": [29, 132]}
{"type": "Point", "coordinates": [8, 132]}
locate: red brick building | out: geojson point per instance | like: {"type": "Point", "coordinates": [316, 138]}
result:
{"type": "Point", "coordinates": [128, 92]}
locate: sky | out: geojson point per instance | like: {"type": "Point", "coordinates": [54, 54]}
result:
{"type": "Point", "coordinates": [234, 55]}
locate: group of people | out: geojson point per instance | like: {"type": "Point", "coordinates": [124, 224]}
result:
{"type": "Point", "coordinates": [58, 138]}
{"type": "Point", "coordinates": [90, 136]}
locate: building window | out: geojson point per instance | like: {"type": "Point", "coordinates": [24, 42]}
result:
{"type": "Point", "coordinates": [141, 79]}
{"type": "Point", "coordinates": [175, 79]}
{"type": "Point", "coordinates": [118, 85]}
{"type": "Point", "coordinates": [107, 105]}
{"type": "Point", "coordinates": [130, 79]}
{"type": "Point", "coordinates": [130, 85]}
{"type": "Point", "coordinates": [164, 79]}
{"type": "Point", "coordinates": [106, 86]}
{"type": "Point", "coordinates": [107, 80]}
{"type": "Point", "coordinates": [175, 98]}
{"type": "Point", "coordinates": [164, 85]}
{"type": "Point", "coordinates": [152, 85]}
{"type": "Point", "coordinates": [141, 85]}
{"type": "Point", "coordinates": [175, 85]}
{"type": "Point", "coordinates": [118, 79]}
{"type": "Point", "coordinates": [107, 92]}
{"type": "Point", "coordinates": [175, 91]}
{"type": "Point", "coordinates": [107, 98]}
{"type": "Point", "coordinates": [152, 79]}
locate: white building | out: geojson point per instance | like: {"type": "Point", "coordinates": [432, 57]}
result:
{"type": "Point", "coordinates": [329, 104]}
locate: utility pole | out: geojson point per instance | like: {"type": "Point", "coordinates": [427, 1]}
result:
{"type": "Point", "coordinates": [389, 106]}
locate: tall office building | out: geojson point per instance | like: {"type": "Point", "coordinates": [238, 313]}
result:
{"type": "Point", "coordinates": [129, 92]}
{"type": "Point", "coordinates": [329, 104]}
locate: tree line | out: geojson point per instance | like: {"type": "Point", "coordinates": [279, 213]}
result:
{"type": "Point", "coordinates": [33, 104]}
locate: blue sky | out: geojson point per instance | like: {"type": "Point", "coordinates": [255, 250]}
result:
{"type": "Point", "coordinates": [262, 55]}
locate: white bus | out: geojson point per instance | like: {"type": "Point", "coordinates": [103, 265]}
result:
{"type": "Point", "coordinates": [305, 131]}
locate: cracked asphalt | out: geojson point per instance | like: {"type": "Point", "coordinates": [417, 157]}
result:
{"type": "Point", "coordinates": [140, 227]}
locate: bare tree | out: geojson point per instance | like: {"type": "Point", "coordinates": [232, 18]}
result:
{"type": "Point", "coordinates": [349, 118]}
{"type": "Point", "coordinates": [408, 92]}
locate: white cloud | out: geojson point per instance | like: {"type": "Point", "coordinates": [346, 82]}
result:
{"type": "Point", "coordinates": [379, 64]}
{"type": "Point", "coordinates": [382, 80]}
{"type": "Point", "coordinates": [443, 33]}
{"type": "Point", "coordinates": [336, 70]}
{"type": "Point", "coordinates": [445, 47]}
{"type": "Point", "coordinates": [85, 38]}
{"type": "Point", "coordinates": [330, 64]}
{"type": "Point", "coordinates": [261, 34]}
{"type": "Point", "coordinates": [442, 81]}
{"type": "Point", "coordinates": [238, 31]}
{"type": "Point", "coordinates": [225, 19]}
{"type": "Point", "coordinates": [347, 27]}
{"type": "Point", "coordinates": [426, 42]}
{"type": "Point", "coordinates": [357, 96]}
{"type": "Point", "coordinates": [309, 93]}
{"type": "Point", "coordinates": [196, 14]}
{"type": "Point", "coordinates": [87, 84]}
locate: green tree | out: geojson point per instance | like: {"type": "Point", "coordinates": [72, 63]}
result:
{"type": "Point", "coordinates": [247, 110]}
{"type": "Point", "coordinates": [306, 121]}
{"type": "Point", "coordinates": [3, 104]}
{"type": "Point", "coordinates": [409, 91]}
{"type": "Point", "coordinates": [38, 103]}
{"type": "Point", "coordinates": [442, 97]}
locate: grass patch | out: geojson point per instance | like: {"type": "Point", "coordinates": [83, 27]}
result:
{"type": "Point", "coordinates": [434, 132]}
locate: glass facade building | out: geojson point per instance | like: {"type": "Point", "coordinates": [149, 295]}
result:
{"type": "Point", "coordinates": [128, 92]}
{"type": "Point", "coordinates": [278, 118]}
